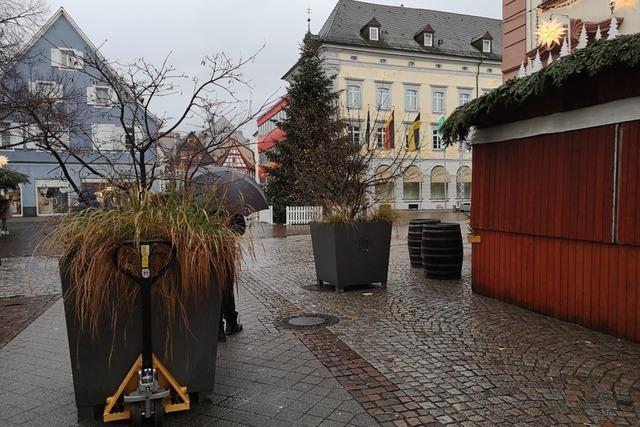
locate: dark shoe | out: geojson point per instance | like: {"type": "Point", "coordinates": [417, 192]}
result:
{"type": "Point", "coordinates": [221, 336]}
{"type": "Point", "coordinates": [231, 324]}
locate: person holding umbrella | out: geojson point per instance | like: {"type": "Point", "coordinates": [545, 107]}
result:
{"type": "Point", "coordinates": [241, 196]}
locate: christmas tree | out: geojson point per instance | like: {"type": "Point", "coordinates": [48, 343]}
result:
{"type": "Point", "coordinates": [304, 162]}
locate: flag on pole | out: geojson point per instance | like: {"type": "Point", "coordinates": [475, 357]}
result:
{"type": "Point", "coordinates": [441, 121]}
{"type": "Point", "coordinates": [414, 134]}
{"type": "Point", "coordinates": [389, 132]}
{"type": "Point", "coordinates": [368, 134]}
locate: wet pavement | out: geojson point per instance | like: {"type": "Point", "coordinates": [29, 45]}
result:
{"type": "Point", "coordinates": [421, 352]}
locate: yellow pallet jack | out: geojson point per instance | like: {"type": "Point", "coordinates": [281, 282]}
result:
{"type": "Point", "coordinates": [153, 391]}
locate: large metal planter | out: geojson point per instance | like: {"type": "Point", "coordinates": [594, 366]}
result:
{"type": "Point", "coordinates": [100, 364]}
{"type": "Point", "coordinates": [349, 255]}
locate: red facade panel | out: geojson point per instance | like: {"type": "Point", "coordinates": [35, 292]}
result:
{"type": "Point", "coordinates": [629, 176]}
{"type": "Point", "coordinates": [558, 185]}
{"type": "Point", "coordinates": [593, 284]}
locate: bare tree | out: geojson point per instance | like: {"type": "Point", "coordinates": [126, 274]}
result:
{"type": "Point", "coordinates": [18, 20]}
{"type": "Point", "coordinates": [125, 93]}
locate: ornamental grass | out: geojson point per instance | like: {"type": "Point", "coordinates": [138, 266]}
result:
{"type": "Point", "coordinates": [199, 229]}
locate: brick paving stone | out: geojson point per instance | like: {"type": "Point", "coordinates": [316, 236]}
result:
{"type": "Point", "coordinates": [16, 313]}
{"type": "Point", "coordinates": [259, 380]}
{"type": "Point", "coordinates": [437, 345]}
{"type": "Point", "coordinates": [421, 351]}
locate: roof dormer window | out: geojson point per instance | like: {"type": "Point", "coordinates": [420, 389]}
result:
{"type": "Point", "coordinates": [374, 33]}
{"type": "Point", "coordinates": [428, 39]}
{"type": "Point", "coordinates": [425, 36]}
{"type": "Point", "coordinates": [371, 31]}
{"type": "Point", "coordinates": [486, 46]}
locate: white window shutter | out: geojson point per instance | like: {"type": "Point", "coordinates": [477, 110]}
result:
{"type": "Point", "coordinates": [56, 57]}
{"type": "Point", "coordinates": [113, 95]}
{"type": "Point", "coordinates": [59, 91]}
{"type": "Point", "coordinates": [118, 138]}
{"type": "Point", "coordinates": [91, 95]}
{"type": "Point", "coordinates": [31, 134]}
{"type": "Point", "coordinates": [15, 135]}
{"type": "Point", "coordinates": [103, 137]}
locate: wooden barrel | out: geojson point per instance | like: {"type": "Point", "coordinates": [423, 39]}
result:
{"type": "Point", "coordinates": [442, 251]}
{"type": "Point", "coordinates": [414, 240]}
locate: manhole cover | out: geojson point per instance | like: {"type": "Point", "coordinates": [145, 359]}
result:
{"type": "Point", "coordinates": [307, 320]}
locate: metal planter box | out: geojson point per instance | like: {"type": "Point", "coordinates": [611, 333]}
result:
{"type": "Point", "coordinates": [98, 367]}
{"type": "Point", "coordinates": [351, 254]}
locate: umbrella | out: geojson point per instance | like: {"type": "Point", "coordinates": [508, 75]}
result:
{"type": "Point", "coordinates": [10, 179]}
{"type": "Point", "coordinates": [241, 193]}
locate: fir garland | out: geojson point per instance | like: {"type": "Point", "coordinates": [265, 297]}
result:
{"type": "Point", "coordinates": [621, 52]}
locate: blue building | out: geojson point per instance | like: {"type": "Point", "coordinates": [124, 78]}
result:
{"type": "Point", "coordinates": [53, 61]}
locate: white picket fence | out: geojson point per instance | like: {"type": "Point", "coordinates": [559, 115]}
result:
{"type": "Point", "coordinates": [303, 214]}
{"type": "Point", "coordinates": [262, 216]}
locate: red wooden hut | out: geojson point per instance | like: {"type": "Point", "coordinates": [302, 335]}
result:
{"type": "Point", "coordinates": [556, 188]}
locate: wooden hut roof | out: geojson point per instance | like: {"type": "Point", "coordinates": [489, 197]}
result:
{"type": "Point", "coordinates": [602, 72]}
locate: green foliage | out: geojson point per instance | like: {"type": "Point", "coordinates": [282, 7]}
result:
{"type": "Point", "coordinates": [10, 179]}
{"type": "Point", "coordinates": [314, 134]}
{"type": "Point", "coordinates": [622, 52]}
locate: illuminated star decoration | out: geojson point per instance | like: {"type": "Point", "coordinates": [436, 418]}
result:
{"type": "Point", "coordinates": [550, 33]}
{"type": "Point", "coordinates": [3, 161]}
{"type": "Point", "coordinates": [625, 4]}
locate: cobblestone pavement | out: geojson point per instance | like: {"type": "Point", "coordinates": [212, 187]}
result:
{"type": "Point", "coordinates": [419, 352]}
{"type": "Point", "coordinates": [18, 312]}
{"type": "Point", "coordinates": [265, 376]}
{"type": "Point", "coordinates": [454, 356]}
{"type": "Point", "coordinates": [29, 276]}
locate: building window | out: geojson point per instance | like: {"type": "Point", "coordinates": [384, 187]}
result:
{"type": "Point", "coordinates": [486, 46]}
{"type": "Point", "coordinates": [129, 137]}
{"type": "Point", "coordinates": [411, 179]}
{"type": "Point", "coordinates": [439, 183]}
{"type": "Point", "coordinates": [463, 181]}
{"type": "Point", "coordinates": [5, 134]}
{"type": "Point", "coordinates": [464, 97]}
{"type": "Point", "coordinates": [354, 134]}
{"type": "Point", "coordinates": [428, 39]}
{"type": "Point", "coordinates": [15, 199]}
{"type": "Point", "coordinates": [411, 100]}
{"type": "Point", "coordinates": [66, 58]}
{"type": "Point", "coordinates": [102, 95]}
{"type": "Point", "coordinates": [353, 96]}
{"type": "Point", "coordinates": [53, 197]}
{"type": "Point", "coordinates": [438, 101]}
{"type": "Point", "coordinates": [437, 140]}
{"type": "Point", "coordinates": [373, 33]}
{"type": "Point", "coordinates": [384, 184]}
{"type": "Point", "coordinates": [380, 137]}
{"type": "Point", "coordinates": [383, 100]}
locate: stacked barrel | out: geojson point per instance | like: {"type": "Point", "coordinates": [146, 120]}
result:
{"type": "Point", "coordinates": [442, 251]}
{"type": "Point", "coordinates": [415, 240]}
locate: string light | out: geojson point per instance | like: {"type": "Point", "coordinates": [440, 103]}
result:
{"type": "Point", "coordinates": [3, 161]}
{"type": "Point", "coordinates": [550, 33]}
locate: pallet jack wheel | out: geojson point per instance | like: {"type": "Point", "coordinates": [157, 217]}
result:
{"type": "Point", "coordinates": [158, 413]}
{"type": "Point", "coordinates": [136, 415]}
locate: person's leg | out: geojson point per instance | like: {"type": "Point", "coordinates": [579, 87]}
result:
{"type": "Point", "coordinates": [4, 226]}
{"type": "Point", "coordinates": [229, 313]}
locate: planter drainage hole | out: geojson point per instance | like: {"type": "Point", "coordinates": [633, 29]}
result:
{"type": "Point", "coordinates": [307, 320]}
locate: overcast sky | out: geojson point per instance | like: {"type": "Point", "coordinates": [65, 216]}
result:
{"type": "Point", "coordinates": [191, 29]}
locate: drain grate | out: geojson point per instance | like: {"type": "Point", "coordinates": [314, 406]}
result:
{"type": "Point", "coordinates": [307, 321]}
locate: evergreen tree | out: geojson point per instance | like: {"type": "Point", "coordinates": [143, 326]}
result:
{"type": "Point", "coordinates": [314, 136]}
